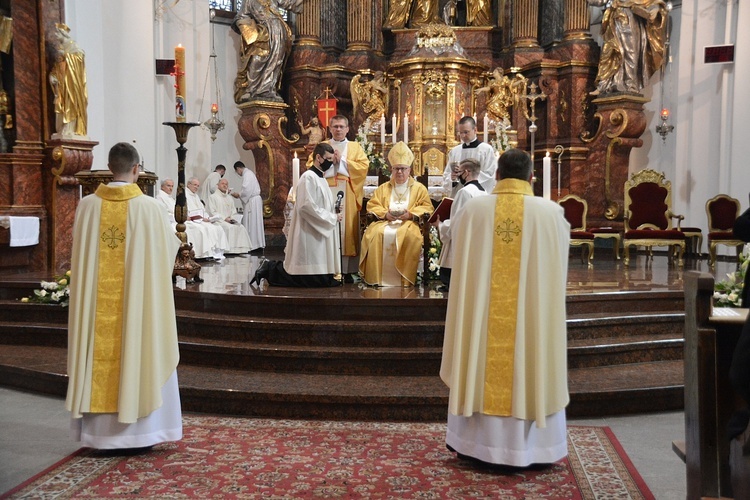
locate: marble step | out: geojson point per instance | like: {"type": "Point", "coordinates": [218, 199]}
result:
{"type": "Point", "coordinates": [625, 350]}
{"type": "Point", "coordinates": [594, 391]}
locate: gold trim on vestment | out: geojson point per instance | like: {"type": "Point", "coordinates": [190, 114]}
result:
{"type": "Point", "coordinates": [503, 307]}
{"type": "Point", "coordinates": [105, 380]}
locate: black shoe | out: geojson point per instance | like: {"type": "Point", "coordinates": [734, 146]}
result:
{"type": "Point", "coordinates": [263, 271]}
{"type": "Point", "coordinates": [348, 278]}
{"type": "Point", "coordinates": [442, 288]}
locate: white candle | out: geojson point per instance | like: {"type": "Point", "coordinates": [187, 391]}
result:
{"type": "Point", "coordinates": [295, 172]}
{"type": "Point", "coordinates": [382, 130]}
{"type": "Point", "coordinates": [546, 176]}
{"type": "Point", "coordinates": [394, 127]}
{"type": "Point", "coordinates": [486, 127]}
{"type": "Point", "coordinates": [406, 128]}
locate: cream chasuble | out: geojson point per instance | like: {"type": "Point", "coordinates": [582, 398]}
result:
{"type": "Point", "coordinates": [122, 340]}
{"type": "Point", "coordinates": [504, 349]}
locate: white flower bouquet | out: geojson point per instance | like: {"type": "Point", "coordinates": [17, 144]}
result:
{"type": "Point", "coordinates": [728, 292]}
{"type": "Point", "coordinates": [52, 292]}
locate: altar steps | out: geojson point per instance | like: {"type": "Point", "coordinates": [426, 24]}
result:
{"type": "Point", "coordinates": [266, 356]}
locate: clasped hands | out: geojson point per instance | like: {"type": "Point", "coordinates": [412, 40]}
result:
{"type": "Point", "coordinates": [406, 215]}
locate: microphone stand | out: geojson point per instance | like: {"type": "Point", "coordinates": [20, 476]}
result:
{"type": "Point", "coordinates": [341, 250]}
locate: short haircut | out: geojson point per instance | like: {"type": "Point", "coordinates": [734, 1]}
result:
{"type": "Point", "coordinates": [339, 118]}
{"type": "Point", "coordinates": [164, 182]}
{"type": "Point", "coordinates": [468, 119]}
{"type": "Point", "coordinates": [471, 165]}
{"type": "Point", "coordinates": [122, 158]}
{"type": "Point", "coordinates": [238, 164]}
{"type": "Point", "coordinates": [321, 149]}
{"type": "Point", "coordinates": [193, 179]}
{"type": "Point", "coordinates": [514, 164]}
{"type": "Point", "coordinates": [220, 167]}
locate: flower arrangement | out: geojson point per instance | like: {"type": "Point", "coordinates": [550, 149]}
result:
{"type": "Point", "coordinates": [377, 162]}
{"type": "Point", "coordinates": [728, 293]}
{"type": "Point", "coordinates": [433, 268]}
{"type": "Point", "coordinates": [52, 292]}
{"type": "Point", "coordinates": [501, 142]}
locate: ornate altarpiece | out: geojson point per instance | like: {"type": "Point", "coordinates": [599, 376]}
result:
{"type": "Point", "coordinates": [336, 41]}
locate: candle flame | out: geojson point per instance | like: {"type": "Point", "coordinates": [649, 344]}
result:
{"type": "Point", "coordinates": [665, 113]}
{"type": "Point", "coordinates": [295, 154]}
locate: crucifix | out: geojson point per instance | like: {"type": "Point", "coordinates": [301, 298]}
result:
{"type": "Point", "coordinates": [531, 96]}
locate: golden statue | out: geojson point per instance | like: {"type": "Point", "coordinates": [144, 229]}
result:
{"type": "Point", "coordinates": [479, 13]}
{"type": "Point", "coordinates": [68, 81]}
{"type": "Point", "coordinates": [414, 12]}
{"type": "Point", "coordinates": [502, 92]}
{"type": "Point", "coordinates": [266, 42]}
{"type": "Point", "coordinates": [370, 97]}
{"type": "Point", "coordinates": [633, 33]}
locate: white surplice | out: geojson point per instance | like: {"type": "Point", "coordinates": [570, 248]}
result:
{"type": "Point", "coordinates": [252, 209]}
{"type": "Point", "coordinates": [469, 191]}
{"type": "Point", "coordinates": [222, 205]}
{"type": "Point", "coordinates": [208, 187]}
{"type": "Point", "coordinates": [480, 151]}
{"type": "Point", "coordinates": [313, 245]}
{"type": "Point", "coordinates": [216, 237]}
{"type": "Point", "coordinates": [196, 235]}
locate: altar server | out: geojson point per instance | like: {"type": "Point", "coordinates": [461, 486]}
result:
{"type": "Point", "coordinates": [470, 147]}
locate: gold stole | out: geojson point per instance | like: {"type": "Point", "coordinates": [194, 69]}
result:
{"type": "Point", "coordinates": [110, 289]}
{"type": "Point", "coordinates": [503, 307]}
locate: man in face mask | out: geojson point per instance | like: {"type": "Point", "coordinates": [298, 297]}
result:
{"type": "Point", "coordinates": [312, 249]}
{"type": "Point", "coordinates": [467, 175]}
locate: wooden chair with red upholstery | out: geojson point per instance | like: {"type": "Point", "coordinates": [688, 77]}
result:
{"type": "Point", "coordinates": [575, 209]}
{"type": "Point", "coordinates": [648, 215]}
{"type": "Point", "coordinates": [722, 211]}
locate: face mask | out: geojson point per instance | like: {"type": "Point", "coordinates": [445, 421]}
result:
{"type": "Point", "coordinates": [325, 165]}
{"type": "Point", "coordinates": [462, 180]}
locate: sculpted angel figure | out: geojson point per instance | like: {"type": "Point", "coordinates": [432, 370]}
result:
{"type": "Point", "coordinates": [634, 35]}
{"type": "Point", "coordinates": [266, 42]}
{"type": "Point", "coordinates": [502, 93]}
{"type": "Point", "coordinates": [370, 97]}
{"type": "Point", "coordinates": [68, 81]}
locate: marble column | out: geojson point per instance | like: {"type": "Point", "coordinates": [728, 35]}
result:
{"type": "Point", "coordinates": [261, 126]}
{"type": "Point", "coordinates": [525, 23]}
{"type": "Point", "coordinates": [359, 25]}
{"type": "Point", "coordinates": [308, 24]}
{"type": "Point", "coordinates": [576, 20]}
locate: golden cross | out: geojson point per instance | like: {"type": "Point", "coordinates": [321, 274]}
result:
{"type": "Point", "coordinates": [113, 236]}
{"type": "Point", "coordinates": [532, 97]}
{"type": "Point", "coordinates": [510, 230]}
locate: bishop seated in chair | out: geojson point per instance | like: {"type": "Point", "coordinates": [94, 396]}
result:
{"type": "Point", "coordinates": [391, 245]}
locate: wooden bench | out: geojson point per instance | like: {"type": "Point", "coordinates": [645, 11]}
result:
{"type": "Point", "coordinates": [710, 339]}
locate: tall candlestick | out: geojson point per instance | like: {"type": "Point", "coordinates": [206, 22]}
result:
{"type": "Point", "coordinates": [295, 172]}
{"type": "Point", "coordinates": [382, 130]}
{"type": "Point", "coordinates": [486, 127]}
{"type": "Point", "coordinates": [546, 176]}
{"type": "Point", "coordinates": [406, 128]}
{"type": "Point", "coordinates": [180, 89]}
{"type": "Point", "coordinates": [394, 127]}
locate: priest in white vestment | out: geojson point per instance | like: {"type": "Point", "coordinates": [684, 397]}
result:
{"type": "Point", "coordinates": [505, 347]}
{"type": "Point", "coordinates": [198, 217]}
{"type": "Point", "coordinates": [221, 206]}
{"type": "Point", "coordinates": [467, 176]}
{"type": "Point", "coordinates": [350, 165]}
{"type": "Point", "coordinates": [211, 182]}
{"type": "Point", "coordinates": [470, 147]}
{"type": "Point", "coordinates": [312, 253]}
{"type": "Point", "coordinates": [392, 245]}
{"type": "Point", "coordinates": [252, 206]}
{"type": "Point", "coordinates": [196, 235]}
{"type": "Point", "coordinates": [122, 333]}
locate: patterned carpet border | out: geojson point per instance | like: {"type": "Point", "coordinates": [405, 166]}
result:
{"type": "Point", "coordinates": [226, 457]}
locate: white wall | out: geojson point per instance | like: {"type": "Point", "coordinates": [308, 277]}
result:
{"type": "Point", "coordinates": [128, 102]}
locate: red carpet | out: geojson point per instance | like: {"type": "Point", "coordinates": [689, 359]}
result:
{"type": "Point", "coordinates": [222, 457]}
